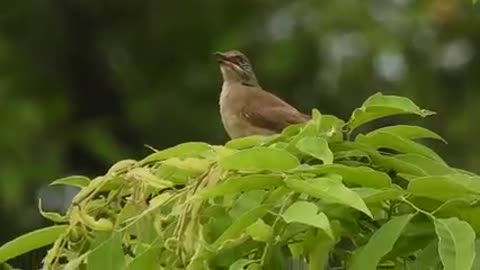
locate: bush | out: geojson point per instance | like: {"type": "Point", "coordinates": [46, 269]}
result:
{"type": "Point", "coordinates": [320, 193]}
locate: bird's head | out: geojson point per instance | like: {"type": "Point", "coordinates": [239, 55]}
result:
{"type": "Point", "coordinates": [236, 67]}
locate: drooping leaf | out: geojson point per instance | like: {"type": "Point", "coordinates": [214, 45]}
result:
{"type": "Point", "coordinates": [189, 149]}
{"type": "Point", "coordinates": [53, 216]}
{"type": "Point", "coordinates": [408, 132]}
{"type": "Point", "coordinates": [31, 241]}
{"type": "Point", "coordinates": [259, 158]}
{"type": "Point", "coordinates": [397, 143]}
{"type": "Point", "coordinates": [74, 180]}
{"type": "Point", "coordinates": [456, 243]}
{"type": "Point", "coordinates": [379, 105]}
{"type": "Point", "coordinates": [240, 184]}
{"type": "Point", "coordinates": [330, 190]}
{"type": "Point", "coordinates": [316, 147]}
{"type": "Point", "coordinates": [307, 213]}
{"type": "Point", "coordinates": [381, 242]}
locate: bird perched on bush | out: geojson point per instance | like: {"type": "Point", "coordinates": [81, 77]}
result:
{"type": "Point", "coordinates": [246, 109]}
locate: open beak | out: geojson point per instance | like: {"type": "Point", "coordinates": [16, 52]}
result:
{"type": "Point", "coordinates": [221, 58]}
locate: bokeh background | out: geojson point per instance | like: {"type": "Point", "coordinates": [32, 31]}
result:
{"type": "Point", "coordinates": [86, 83]}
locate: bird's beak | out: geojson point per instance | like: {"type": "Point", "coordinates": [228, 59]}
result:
{"type": "Point", "coordinates": [221, 57]}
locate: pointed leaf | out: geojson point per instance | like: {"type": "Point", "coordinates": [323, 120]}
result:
{"type": "Point", "coordinates": [373, 195]}
{"type": "Point", "coordinates": [379, 105]}
{"type": "Point", "coordinates": [260, 158]}
{"type": "Point", "coordinates": [397, 143]}
{"type": "Point", "coordinates": [307, 213]}
{"type": "Point", "coordinates": [74, 180]}
{"type": "Point", "coordinates": [246, 142]}
{"type": "Point", "coordinates": [360, 175]}
{"type": "Point", "coordinates": [316, 147]}
{"type": "Point", "coordinates": [330, 190]}
{"type": "Point", "coordinates": [444, 187]}
{"type": "Point", "coordinates": [456, 243]}
{"type": "Point", "coordinates": [30, 241]}
{"type": "Point", "coordinates": [189, 149]}
{"type": "Point", "coordinates": [408, 132]}
{"type": "Point", "coordinates": [381, 242]}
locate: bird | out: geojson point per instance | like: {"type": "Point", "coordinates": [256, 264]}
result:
{"type": "Point", "coordinates": [247, 109]}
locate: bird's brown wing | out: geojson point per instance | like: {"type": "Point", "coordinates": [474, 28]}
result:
{"type": "Point", "coordinates": [267, 111]}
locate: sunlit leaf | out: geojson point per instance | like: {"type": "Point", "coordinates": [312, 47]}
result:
{"type": "Point", "coordinates": [307, 213]}
{"type": "Point", "coordinates": [381, 242]}
{"type": "Point", "coordinates": [456, 243]}
{"type": "Point", "coordinates": [260, 158]}
{"type": "Point", "coordinates": [330, 190]}
{"type": "Point", "coordinates": [31, 241]}
{"type": "Point", "coordinates": [316, 147]}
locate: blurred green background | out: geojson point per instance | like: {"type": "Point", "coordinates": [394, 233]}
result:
{"type": "Point", "coordinates": [86, 83]}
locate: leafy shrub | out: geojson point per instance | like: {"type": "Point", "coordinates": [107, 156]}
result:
{"type": "Point", "coordinates": [319, 193]}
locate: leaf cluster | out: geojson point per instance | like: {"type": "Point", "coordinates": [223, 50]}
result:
{"type": "Point", "coordinates": [320, 193]}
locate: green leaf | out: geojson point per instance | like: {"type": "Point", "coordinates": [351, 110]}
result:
{"type": "Point", "coordinates": [427, 165]}
{"type": "Point", "coordinates": [408, 132]}
{"type": "Point", "coordinates": [31, 241]}
{"type": "Point", "coordinates": [330, 190]}
{"type": "Point", "coordinates": [246, 142]}
{"type": "Point", "coordinates": [239, 225]}
{"type": "Point", "coordinates": [260, 231]}
{"type": "Point", "coordinates": [239, 184]}
{"type": "Point", "coordinates": [381, 242]}
{"type": "Point", "coordinates": [397, 143]}
{"type": "Point", "coordinates": [189, 149]}
{"type": "Point", "coordinates": [74, 180]}
{"type": "Point", "coordinates": [379, 105]}
{"type": "Point", "coordinates": [316, 147]}
{"type": "Point", "coordinates": [240, 264]}
{"type": "Point", "coordinates": [363, 176]}
{"type": "Point", "coordinates": [260, 158]}
{"type": "Point", "coordinates": [373, 195]}
{"type": "Point", "coordinates": [428, 258]}
{"type": "Point", "coordinates": [444, 187]}
{"type": "Point", "coordinates": [456, 243]}
{"type": "Point", "coordinates": [144, 260]}
{"type": "Point", "coordinates": [307, 213]}
{"type": "Point", "coordinates": [107, 255]}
